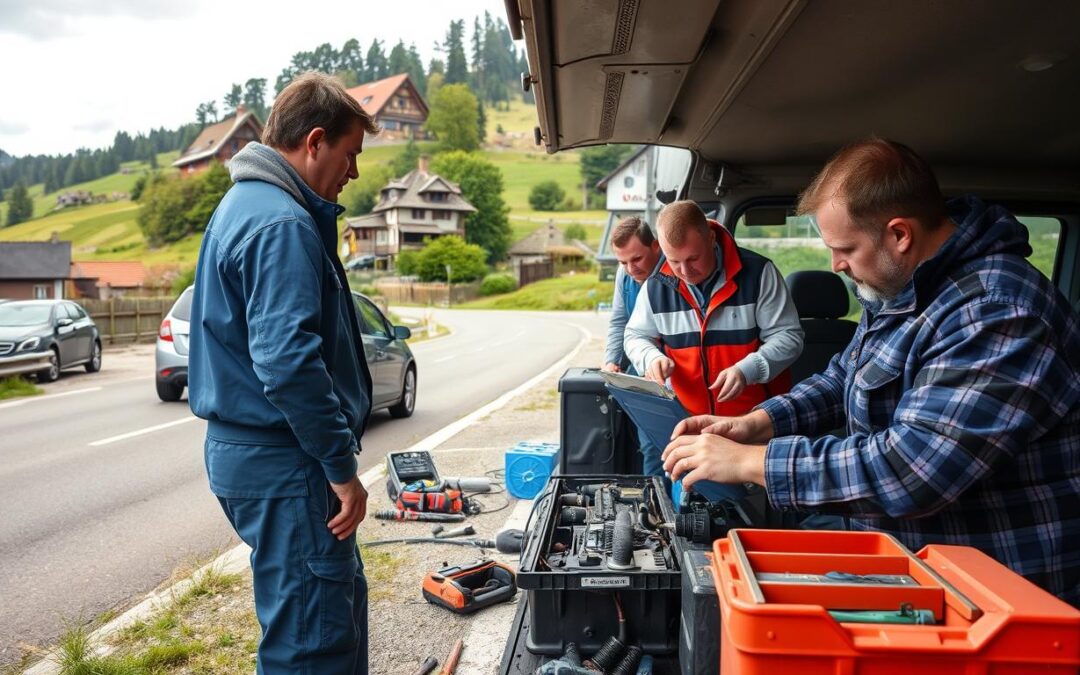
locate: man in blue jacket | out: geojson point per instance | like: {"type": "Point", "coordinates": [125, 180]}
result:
{"type": "Point", "coordinates": [638, 253]}
{"type": "Point", "coordinates": [960, 389]}
{"type": "Point", "coordinates": [277, 369]}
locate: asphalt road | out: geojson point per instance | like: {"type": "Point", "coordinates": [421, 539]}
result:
{"type": "Point", "coordinates": [103, 493]}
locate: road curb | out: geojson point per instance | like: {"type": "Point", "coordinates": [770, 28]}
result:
{"type": "Point", "coordinates": [236, 559]}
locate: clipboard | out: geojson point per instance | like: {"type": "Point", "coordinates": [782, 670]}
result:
{"type": "Point", "coordinates": [653, 408]}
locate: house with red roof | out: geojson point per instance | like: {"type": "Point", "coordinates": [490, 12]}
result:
{"type": "Point", "coordinates": [396, 105]}
{"type": "Point", "coordinates": [105, 279]}
{"type": "Point", "coordinates": [219, 142]}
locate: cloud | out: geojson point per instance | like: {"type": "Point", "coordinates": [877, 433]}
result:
{"type": "Point", "coordinates": [47, 19]}
{"type": "Point", "coordinates": [12, 128]}
{"type": "Point", "coordinates": [93, 126]}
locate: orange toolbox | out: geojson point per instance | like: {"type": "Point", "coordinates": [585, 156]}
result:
{"type": "Point", "coordinates": [859, 603]}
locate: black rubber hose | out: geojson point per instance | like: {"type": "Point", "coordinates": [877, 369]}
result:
{"type": "Point", "coordinates": [629, 663]}
{"type": "Point", "coordinates": [573, 515]}
{"type": "Point", "coordinates": [608, 656]}
{"type": "Point", "coordinates": [572, 655]}
{"type": "Point", "coordinates": [622, 542]}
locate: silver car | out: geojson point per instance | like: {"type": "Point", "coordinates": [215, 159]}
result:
{"type": "Point", "coordinates": [171, 355]}
{"type": "Point", "coordinates": [391, 362]}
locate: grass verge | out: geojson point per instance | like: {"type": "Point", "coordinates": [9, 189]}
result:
{"type": "Point", "coordinates": [571, 292]}
{"type": "Point", "coordinates": [14, 387]}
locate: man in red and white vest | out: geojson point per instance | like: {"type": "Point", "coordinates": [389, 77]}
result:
{"type": "Point", "coordinates": [716, 319]}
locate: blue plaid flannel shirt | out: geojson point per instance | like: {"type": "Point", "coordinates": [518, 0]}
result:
{"type": "Point", "coordinates": [961, 401]}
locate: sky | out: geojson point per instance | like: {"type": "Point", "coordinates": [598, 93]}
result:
{"type": "Point", "coordinates": [77, 71]}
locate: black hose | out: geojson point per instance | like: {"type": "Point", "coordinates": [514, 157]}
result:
{"type": "Point", "coordinates": [622, 542]}
{"type": "Point", "coordinates": [629, 663]}
{"type": "Point", "coordinates": [608, 656]}
{"type": "Point", "coordinates": [572, 655]}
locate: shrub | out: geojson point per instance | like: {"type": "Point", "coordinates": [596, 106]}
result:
{"type": "Point", "coordinates": [546, 196]}
{"type": "Point", "coordinates": [407, 262]}
{"type": "Point", "coordinates": [496, 284]}
{"type": "Point", "coordinates": [466, 261]}
{"type": "Point", "coordinates": [182, 281]}
{"type": "Point", "coordinates": [575, 231]}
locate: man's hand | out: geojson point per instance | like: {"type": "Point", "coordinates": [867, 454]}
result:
{"type": "Point", "coordinates": [729, 384]}
{"type": "Point", "coordinates": [611, 368]}
{"type": "Point", "coordinates": [353, 498]}
{"type": "Point", "coordinates": [660, 369]}
{"type": "Point", "coordinates": [753, 427]}
{"type": "Point", "coordinates": [715, 458]}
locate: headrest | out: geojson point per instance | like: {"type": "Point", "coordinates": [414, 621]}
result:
{"type": "Point", "coordinates": [818, 294]}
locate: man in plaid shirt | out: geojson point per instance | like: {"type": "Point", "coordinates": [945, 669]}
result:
{"type": "Point", "coordinates": [960, 391]}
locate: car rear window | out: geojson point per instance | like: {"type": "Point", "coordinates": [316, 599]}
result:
{"type": "Point", "coordinates": [182, 309]}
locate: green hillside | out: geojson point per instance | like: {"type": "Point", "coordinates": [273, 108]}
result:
{"type": "Point", "coordinates": [109, 231]}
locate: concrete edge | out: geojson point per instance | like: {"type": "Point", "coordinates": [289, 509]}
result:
{"type": "Point", "coordinates": [236, 559]}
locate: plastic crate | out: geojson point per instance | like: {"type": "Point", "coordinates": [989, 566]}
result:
{"type": "Point", "coordinates": [989, 620]}
{"type": "Point", "coordinates": [578, 605]}
{"type": "Point", "coordinates": [595, 435]}
{"type": "Point", "coordinates": [528, 467]}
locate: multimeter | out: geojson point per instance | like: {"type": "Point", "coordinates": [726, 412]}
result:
{"type": "Point", "coordinates": [407, 467]}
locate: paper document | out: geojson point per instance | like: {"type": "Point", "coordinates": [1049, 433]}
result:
{"type": "Point", "coordinates": [654, 408]}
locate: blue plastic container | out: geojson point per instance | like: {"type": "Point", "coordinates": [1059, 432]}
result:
{"type": "Point", "coordinates": [528, 467]}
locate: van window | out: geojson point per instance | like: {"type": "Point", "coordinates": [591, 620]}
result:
{"type": "Point", "coordinates": [793, 244]}
{"type": "Point", "coordinates": [1043, 235]}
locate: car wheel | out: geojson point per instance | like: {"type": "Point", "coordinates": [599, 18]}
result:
{"type": "Point", "coordinates": [167, 391]}
{"type": "Point", "coordinates": [52, 374]}
{"type": "Point", "coordinates": [94, 364]}
{"type": "Point", "coordinates": [404, 407]}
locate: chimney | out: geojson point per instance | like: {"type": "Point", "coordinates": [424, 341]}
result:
{"type": "Point", "coordinates": [422, 165]}
{"type": "Point", "coordinates": [55, 238]}
{"type": "Point", "coordinates": [240, 110]}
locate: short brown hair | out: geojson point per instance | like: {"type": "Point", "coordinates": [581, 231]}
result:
{"type": "Point", "coordinates": [876, 178]}
{"type": "Point", "coordinates": [632, 227]}
{"type": "Point", "coordinates": [310, 101]}
{"type": "Point", "coordinates": [679, 218]}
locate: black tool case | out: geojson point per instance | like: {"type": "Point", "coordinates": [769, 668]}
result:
{"type": "Point", "coordinates": [574, 601]}
{"type": "Point", "coordinates": [595, 435]}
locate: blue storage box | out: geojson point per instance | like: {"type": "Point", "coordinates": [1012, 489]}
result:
{"type": "Point", "coordinates": [528, 467]}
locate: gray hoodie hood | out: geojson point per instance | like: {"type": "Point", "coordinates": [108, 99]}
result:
{"type": "Point", "coordinates": [261, 162]}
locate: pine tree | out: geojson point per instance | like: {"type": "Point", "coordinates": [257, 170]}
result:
{"type": "Point", "coordinates": [376, 62]}
{"type": "Point", "coordinates": [234, 98]}
{"type": "Point", "coordinates": [20, 206]}
{"type": "Point", "coordinates": [399, 59]}
{"type": "Point", "coordinates": [457, 71]}
{"type": "Point", "coordinates": [255, 96]}
{"type": "Point", "coordinates": [416, 69]}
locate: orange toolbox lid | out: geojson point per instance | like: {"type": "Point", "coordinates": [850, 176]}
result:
{"type": "Point", "coordinates": [982, 610]}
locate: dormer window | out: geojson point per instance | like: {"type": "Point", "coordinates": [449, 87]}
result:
{"type": "Point", "coordinates": [437, 196]}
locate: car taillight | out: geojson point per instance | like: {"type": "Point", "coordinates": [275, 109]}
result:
{"type": "Point", "coordinates": [165, 333]}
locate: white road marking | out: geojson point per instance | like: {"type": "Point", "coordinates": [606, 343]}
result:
{"type": "Point", "coordinates": [140, 432]}
{"type": "Point", "coordinates": [32, 399]}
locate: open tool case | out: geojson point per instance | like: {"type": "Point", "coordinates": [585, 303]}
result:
{"type": "Point", "coordinates": [805, 601]}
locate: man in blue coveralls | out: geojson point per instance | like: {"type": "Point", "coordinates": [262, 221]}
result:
{"type": "Point", "coordinates": [277, 369]}
{"type": "Point", "coordinates": [638, 253]}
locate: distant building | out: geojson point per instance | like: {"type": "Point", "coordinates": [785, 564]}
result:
{"type": "Point", "coordinates": [412, 208]}
{"type": "Point", "coordinates": [396, 105]}
{"type": "Point", "coordinates": [106, 279]}
{"type": "Point", "coordinates": [627, 187]}
{"type": "Point", "coordinates": [547, 244]}
{"type": "Point", "coordinates": [34, 270]}
{"type": "Point", "coordinates": [219, 142]}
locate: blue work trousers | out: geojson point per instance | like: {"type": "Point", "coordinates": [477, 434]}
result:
{"type": "Point", "coordinates": [651, 464]}
{"type": "Point", "coordinates": [310, 590]}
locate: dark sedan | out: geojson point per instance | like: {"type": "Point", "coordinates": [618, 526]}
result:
{"type": "Point", "coordinates": [45, 337]}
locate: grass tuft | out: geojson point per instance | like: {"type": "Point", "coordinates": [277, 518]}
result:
{"type": "Point", "coordinates": [14, 387]}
